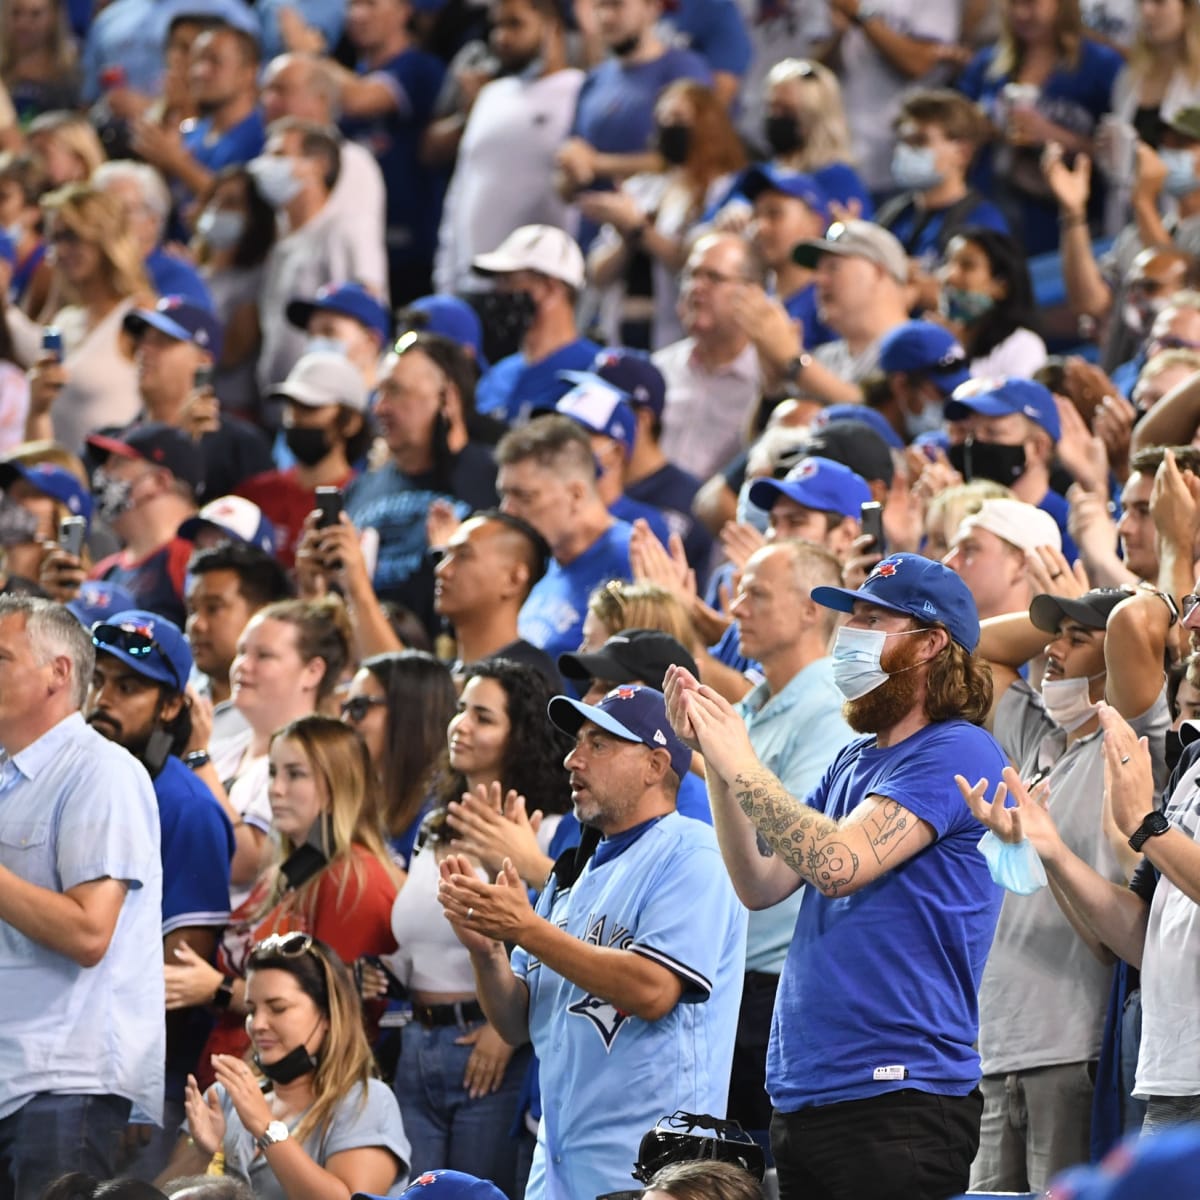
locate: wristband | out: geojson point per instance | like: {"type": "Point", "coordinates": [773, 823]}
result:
{"type": "Point", "coordinates": [196, 760]}
{"type": "Point", "coordinates": [1070, 220]}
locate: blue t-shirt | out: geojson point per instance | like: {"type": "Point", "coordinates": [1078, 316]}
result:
{"type": "Point", "coordinates": [888, 976]}
{"type": "Point", "coordinates": [692, 799]}
{"type": "Point", "coordinates": [625, 508]}
{"type": "Point", "coordinates": [552, 615]}
{"type": "Point", "coordinates": [1060, 510]}
{"type": "Point", "coordinates": [801, 306]}
{"type": "Point", "coordinates": [513, 388]}
{"type": "Point", "coordinates": [714, 29]}
{"type": "Point", "coordinates": [414, 190]}
{"type": "Point", "coordinates": [173, 276]}
{"type": "Point", "coordinates": [924, 235]}
{"type": "Point", "coordinates": [671, 490]}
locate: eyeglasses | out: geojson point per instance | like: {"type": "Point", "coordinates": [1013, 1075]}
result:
{"type": "Point", "coordinates": [283, 945]}
{"type": "Point", "coordinates": [1188, 605]}
{"type": "Point", "coordinates": [66, 235]}
{"type": "Point", "coordinates": [355, 709]}
{"type": "Point", "coordinates": [131, 640]}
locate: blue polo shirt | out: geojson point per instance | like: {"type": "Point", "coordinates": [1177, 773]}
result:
{"type": "Point", "coordinates": [236, 145]}
{"type": "Point", "coordinates": [514, 387]}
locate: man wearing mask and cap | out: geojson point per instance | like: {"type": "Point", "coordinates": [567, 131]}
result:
{"type": "Point", "coordinates": [1006, 430]}
{"type": "Point", "coordinates": [872, 1069]}
{"type": "Point", "coordinates": [628, 964]}
{"type": "Point", "coordinates": [538, 272]}
{"type": "Point", "coordinates": [922, 364]}
{"type": "Point", "coordinates": [1045, 988]}
{"type": "Point", "coordinates": [344, 318]}
{"type": "Point", "coordinates": [37, 497]}
{"type": "Point", "coordinates": [325, 428]}
{"type": "Point", "coordinates": [137, 699]}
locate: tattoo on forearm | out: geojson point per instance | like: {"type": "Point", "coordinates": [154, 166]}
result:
{"type": "Point", "coordinates": [887, 827]}
{"type": "Point", "coordinates": [764, 847]}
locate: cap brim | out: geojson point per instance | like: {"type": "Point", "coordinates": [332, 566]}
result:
{"type": "Point", "coordinates": [809, 253]}
{"type": "Point", "coordinates": [593, 666]}
{"type": "Point", "coordinates": [764, 492]}
{"type": "Point", "coordinates": [985, 405]}
{"type": "Point", "coordinates": [1047, 612]}
{"type": "Point", "coordinates": [844, 600]}
{"type": "Point", "coordinates": [948, 382]}
{"type": "Point", "coordinates": [10, 472]}
{"type": "Point", "coordinates": [494, 264]}
{"type": "Point", "coordinates": [300, 395]}
{"type": "Point", "coordinates": [111, 445]}
{"type": "Point", "coordinates": [195, 525]}
{"type": "Point", "coordinates": [570, 715]}
{"type": "Point", "coordinates": [137, 321]}
{"type": "Point", "coordinates": [299, 312]}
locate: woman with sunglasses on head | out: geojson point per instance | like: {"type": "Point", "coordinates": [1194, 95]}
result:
{"type": "Point", "coordinates": [457, 1081]}
{"type": "Point", "coordinates": [332, 874]}
{"type": "Point", "coordinates": [307, 1121]}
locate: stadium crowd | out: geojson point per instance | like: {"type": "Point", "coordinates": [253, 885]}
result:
{"type": "Point", "coordinates": [599, 599]}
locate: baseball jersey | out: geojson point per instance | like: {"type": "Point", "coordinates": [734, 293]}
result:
{"type": "Point", "coordinates": [608, 1077]}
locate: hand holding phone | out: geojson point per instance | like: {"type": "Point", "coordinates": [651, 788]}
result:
{"type": "Point", "coordinates": [71, 532]}
{"type": "Point", "coordinates": [52, 343]}
{"type": "Point", "coordinates": [871, 520]}
{"type": "Point", "coordinates": [329, 505]}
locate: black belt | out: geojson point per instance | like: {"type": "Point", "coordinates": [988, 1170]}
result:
{"type": "Point", "coordinates": [458, 1013]}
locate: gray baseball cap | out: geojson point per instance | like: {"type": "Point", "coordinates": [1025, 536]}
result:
{"type": "Point", "coordinates": [857, 239]}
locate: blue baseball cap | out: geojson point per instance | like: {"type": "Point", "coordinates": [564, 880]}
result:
{"type": "Point", "coordinates": [921, 347]}
{"type": "Point", "coordinates": [1002, 398]}
{"type": "Point", "coordinates": [863, 414]}
{"type": "Point", "coordinates": [631, 712]}
{"type": "Point", "coordinates": [1166, 1163]}
{"type": "Point", "coordinates": [98, 600]}
{"type": "Point", "coordinates": [766, 178]}
{"type": "Point", "coordinates": [150, 645]}
{"type": "Point", "coordinates": [599, 408]}
{"type": "Point", "coordinates": [180, 318]}
{"type": "Point", "coordinates": [632, 372]}
{"type": "Point", "coordinates": [444, 1185]}
{"type": "Point", "coordinates": [348, 300]}
{"type": "Point", "coordinates": [816, 483]}
{"type": "Point", "coordinates": [54, 481]}
{"type": "Point", "coordinates": [452, 318]}
{"type": "Point", "coordinates": [919, 587]}
{"type": "Point", "coordinates": [236, 519]}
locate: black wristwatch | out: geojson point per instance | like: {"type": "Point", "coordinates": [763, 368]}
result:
{"type": "Point", "coordinates": [196, 760]}
{"type": "Point", "coordinates": [797, 366]}
{"type": "Point", "coordinates": [1154, 825]}
{"type": "Point", "coordinates": [224, 996]}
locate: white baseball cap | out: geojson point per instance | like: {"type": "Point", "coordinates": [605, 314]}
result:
{"type": "Point", "coordinates": [541, 248]}
{"type": "Point", "coordinates": [1022, 525]}
{"type": "Point", "coordinates": [324, 377]}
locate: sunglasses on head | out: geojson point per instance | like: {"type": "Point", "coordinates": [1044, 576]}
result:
{"type": "Point", "coordinates": [356, 708]}
{"type": "Point", "coordinates": [283, 945]}
{"type": "Point", "coordinates": [134, 642]}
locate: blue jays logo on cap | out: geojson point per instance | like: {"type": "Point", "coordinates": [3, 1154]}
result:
{"type": "Point", "coordinates": [804, 470]}
{"type": "Point", "coordinates": [888, 567]}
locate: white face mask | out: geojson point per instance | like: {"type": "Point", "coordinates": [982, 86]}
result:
{"type": "Point", "coordinates": [929, 420]}
{"type": "Point", "coordinates": [1068, 701]}
{"type": "Point", "coordinates": [221, 229]}
{"type": "Point", "coordinates": [319, 343]}
{"type": "Point", "coordinates": [751, 514]}
{"type": "Point", "coordinates": [275, 178]}
{"type": "Point", "coordinates": [856, 659]}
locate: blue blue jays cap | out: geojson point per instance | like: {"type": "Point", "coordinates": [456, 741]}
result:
{"type": "Point", "coordinates": [1138, 1168]}
{"type": "Point", "coordinates": [181, 319]}
{"type": "Point", "coordinates": [864, 415]}
{"type": "Point", "coordinates": [919, 587]}
{"type": "Point", "coordinates": [452, 318]}
{"type": "Point", "coordinates": [347, 300]}
{"type": "Point", "coordinates": [234, 519]}
{"type": "Point", "coordinates": [444, 1185]}
{"type": "Point", "coordinates": [923, 348]}
{"type": "Point", "coordinates": [817, 483]}
{"type": "Point", "coordinates": [632, 372]}
{"type": "Point", "coordinates": [599, 408]}
{"type": "Point", "coordinates": [150, 645]}
{"type": "Point", "coordinates": [631, 712]}
{"type": "Point", "coordinates": [1002, 398]}
{"type": "Point", "coordinates": [98, 600]}
{"type": "Point", "coordinates": [56, 482]}
{"type": "Point", "coordinates": [766, 178]}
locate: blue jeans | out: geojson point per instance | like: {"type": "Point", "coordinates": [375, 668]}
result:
{"type": "Point", "coordinates": [446, 1127]}
{"type": "Point", "coordinates": [54, 1134]}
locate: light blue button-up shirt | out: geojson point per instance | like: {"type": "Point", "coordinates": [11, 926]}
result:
{"type": "Point", "coordinates": [75, 807]}
{"type": "Point", "coordinates": [796, 735]}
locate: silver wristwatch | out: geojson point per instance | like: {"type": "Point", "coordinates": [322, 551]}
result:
{"type": "Point", "coordinates": [276, 1132]}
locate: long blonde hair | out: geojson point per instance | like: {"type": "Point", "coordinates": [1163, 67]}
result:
{"type": "Point", "coordinates": [1068, 39]}
{"type": "Point", "coordinates": [99, 218]}
{"type": "Point", "coordinates": [823, 115]}
{"type": "Point", "coordinates": [74, 132]}
{"type": "Point", "coordinates": [62, 45]}
{"type": "Point", "coordinates": [620, 605]}
{"type": "Point", "coordinates": [1142, 59]}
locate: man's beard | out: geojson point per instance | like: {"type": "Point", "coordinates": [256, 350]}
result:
{"type": "Point", "coordinates": [892, 701]}
{"type": "Point", "coordinates": [112, 729]}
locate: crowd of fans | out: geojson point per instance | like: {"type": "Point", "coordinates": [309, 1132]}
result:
{"type": "Point", "coordinates": [567, 564]}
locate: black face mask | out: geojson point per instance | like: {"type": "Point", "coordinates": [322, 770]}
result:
{"type": "Point", "coordinates": [627, 47]}
{"type": "Point", "coordinates": [292, 1066]}
{"type": "Point", "coordinates": [674, 143]}
{"type": "Point", "coordinates": [783, 134]}
{"type": "Point", "coordinates": [988, 460]}
{"type": "Point", "coordinates": [506, 316]}
{"type": "Point", "coordinates": [308, 445]}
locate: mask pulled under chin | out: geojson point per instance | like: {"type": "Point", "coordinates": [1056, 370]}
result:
{"type": "Point", "coordinates": [1068, 702]}
{"type": "Point", "coordinates": [295, 1064]}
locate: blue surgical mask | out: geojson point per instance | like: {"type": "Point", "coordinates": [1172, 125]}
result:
{"type": "Point", "coordinates": [275, 177]}
{"type": "Point", "coordinates": [929, 420]}
{"type": "Point", "coordinates": [963, 307]}
{"type": "Point", "coordinates": [325, 345]}
{"type": "Point", "coordinates": [221, 229]}
{"type": "Point", "coordinates": [914, 169]}
{"type": "Point", "coordinates": [856, 659]}
{"type": "Point", "coordinates": [1015, 866]}
{"type": "Point", "coordinates": [751, 514]}
{"type": "Point", "coordinates": [1181, 172]}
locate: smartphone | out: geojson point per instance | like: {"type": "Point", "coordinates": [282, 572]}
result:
{"type": "Point", "coordinates": [871, 519]}
{"type": "Point", "coordinates": [329, 504]}
{"type": "Point", "coordinates": [202, 378]}
{"type": "Point", "coordinates": [71, 532]}
{"type": "Point", "coordinates": [52, 343]}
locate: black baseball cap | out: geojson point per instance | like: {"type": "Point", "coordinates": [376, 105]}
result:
{"type": "Point", "coordinates": [856, 445]}
{"type": "Point", "coordinates": [1091, 610]}
{"type": "Point", "coordinates": [157, 443]}
{"type": "Point", "coordinates": [631, 656]}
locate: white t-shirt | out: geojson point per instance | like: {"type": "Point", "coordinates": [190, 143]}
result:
{"type": "Point", "coordinates": [361, 197]}
{"type": "Point", "coordinates": [248, 797]}
{"type": "Point", "coordinates": [505, 173]}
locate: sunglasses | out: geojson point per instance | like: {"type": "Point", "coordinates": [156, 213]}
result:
{"type": "Point", "coordinates": [355, 709]}
{"type": "Point", "coordinates": [283, 945]}
{"type": "Point", "coordinates": [1188, 604]}
{"type": "Point", "coordinates": [134, 642]}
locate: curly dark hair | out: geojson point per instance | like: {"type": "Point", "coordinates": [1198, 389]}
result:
{"type": "Point", "coordinates": [534, 753]}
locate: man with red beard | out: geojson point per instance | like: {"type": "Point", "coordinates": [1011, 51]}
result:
{"type": "Point", "coordinates": [871, 1070]}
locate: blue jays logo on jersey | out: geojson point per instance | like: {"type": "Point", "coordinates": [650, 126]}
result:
{"type": "Point", "coordinates": [605, 1017]}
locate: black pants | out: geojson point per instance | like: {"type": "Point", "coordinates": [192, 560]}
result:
{"type": "Point", "coordinates": [905, 1145]}
{"type": "Point", "coordinates": [748, 1101]}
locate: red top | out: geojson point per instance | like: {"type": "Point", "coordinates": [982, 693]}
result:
{"type": "Point", "coordinates": [285, 503]}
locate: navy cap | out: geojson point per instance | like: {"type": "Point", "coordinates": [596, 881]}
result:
{"type": "Point", "coordinates": [98, 600]}
{"type": "Point", "coordinates": [236, 519]}
{"type": "Point", "coordinates": [921, 347]}
{"type": "Point", "coordinates": [1002, 398]}
{"type": "Point", "coordinates": [1091, 610]}
{"type": "Point", "coordinates": [632, 372]}
{"type": "Point", "coordinates": [51, 480]}
{"type": "Point", "coordinates": [630, 712]}
{"type": "Point", "coordinates": [766, 178]}
{"type": "Point", "coordinates": [163, 445]}
{"type": "Point", "coordinates": [179, 318]}
{"type": "Point", "coordinates": [444, 1185]}
{"type": "Point", "coordinates": [599, 408]}
{"type": "Point", "coordinates": [347, 300]}
{"type": "Point", "coordinates": [631, 656]}
{"type": "Point", "coordinates": [865, 415]}
{"type": "Point", "coordinates": [452, 318]}
{"type": "Point", "coordinates": [921, 588]}
{"type": "Point", "coordinates": [854, 443]}
{"type": "Point", "coordinates": [148, 644]}
{"type": "Point", "coordinates": [816, 483]}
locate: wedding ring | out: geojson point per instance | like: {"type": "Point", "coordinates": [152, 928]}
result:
{"type": "Point", "coordinates": [1124, 759]}
{"type": "Point", "coordinates": [471, 911]}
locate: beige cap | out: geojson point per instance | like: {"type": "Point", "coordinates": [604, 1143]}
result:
{"type": "Point", "coordinates": [1020, 524]}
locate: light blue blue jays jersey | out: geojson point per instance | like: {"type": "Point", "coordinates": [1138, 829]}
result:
{"type": "Point", "coordinates": [662, 891]}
